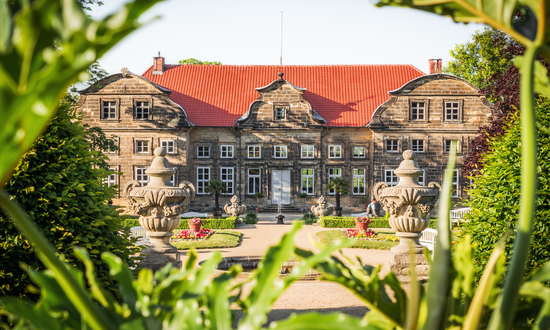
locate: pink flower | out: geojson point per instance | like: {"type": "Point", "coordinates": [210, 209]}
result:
{"type": "Point", "coordinates": [194, 221]}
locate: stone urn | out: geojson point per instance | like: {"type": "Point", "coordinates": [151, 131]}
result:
{"type": "Point", "coordinates": [234, 208]}
{"type": "Point", "coordinates": [159, 206]}
{"type": "Point", "coordinates": [322, 209]}
{"type": "Point", "coordinates": [409, 205]}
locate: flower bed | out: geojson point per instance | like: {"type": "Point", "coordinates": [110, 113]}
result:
{"type": "Point", "coordinates": [189, 235]}
{"type": "Point", "coordinates": [359, 234]}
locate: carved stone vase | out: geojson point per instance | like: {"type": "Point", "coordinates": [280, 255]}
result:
{"type": "Point", "coordinates": [234, 208]}
{"type": "Point", "coordinates": [159, 206]}
{"type": "Point", "coordinates": [409, 205]}
{"type": "Point", "coordinates": [322, 209]}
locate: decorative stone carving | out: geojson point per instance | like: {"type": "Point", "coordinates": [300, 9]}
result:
{"type": "Point", "coordinates": [409, 205]}
{"type": "Point", "coordinates": [322, 209]}
{"type": "Point", "coordinates": [234, 208]}
{"type": "Point", "coordinates": [159, 206]}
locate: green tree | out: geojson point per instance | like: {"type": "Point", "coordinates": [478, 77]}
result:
{"type": "Point", "coordinates": [59, 183]}
{"type": "Point", "coordinates": [194, 61]}
{"type": "Point", "coordinates": [341, 188]}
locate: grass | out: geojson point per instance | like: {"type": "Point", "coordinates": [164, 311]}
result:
{"type": "Point", "coordinates": [328, 237]}
{"type": "Point", "coordinates": [220, 239]}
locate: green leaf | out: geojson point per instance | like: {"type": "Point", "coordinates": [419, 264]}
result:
{"type": "Point", "coordinates": [322, 321]}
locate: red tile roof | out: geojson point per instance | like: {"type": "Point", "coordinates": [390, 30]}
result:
{"type": "Point", "coordinates": [344, 95]}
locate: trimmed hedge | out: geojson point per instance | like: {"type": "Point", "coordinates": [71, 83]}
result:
{"type": "Point", "coordinates": [219, 223]}
{"type": "Point", "coordinates": [349, 222]}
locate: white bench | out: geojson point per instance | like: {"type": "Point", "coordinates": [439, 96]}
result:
{"type": "Point", "coordinates": [141, 234]}
{"type": "Point", "coordinates": [458, 214]}
{"type": "Point", "coordinates": [428, 239]}
{"type": "Point", "coordinates": [193, 214]}
{"type": "Point", "coordinates": [364, 214]}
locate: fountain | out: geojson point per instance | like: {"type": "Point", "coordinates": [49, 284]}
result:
{"type": "Point", "coordinates": [159, 207]}
{"type": "Point", "coordinates": [234, 208]}
{"type": "Point", "coordinates": [409, 205]}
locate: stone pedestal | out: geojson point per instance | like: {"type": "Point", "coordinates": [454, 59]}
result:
{"type": "Point", "coordinates": [401, 262]}
{"type": "Point", "coordinates": [157, 258]}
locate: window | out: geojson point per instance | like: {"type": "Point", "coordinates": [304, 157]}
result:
{"type": "Point", "coordinates": [110, 180]}
{"type": "Point", "coordinates": [417, 145]}
{"type": "Point", "coordinates": [108, 110]}
{"type": "Point", "coordinates": [226, 151]}
{"type": "Point", "coordinates": [227, 178]}
{"type": "Point", "coordinates": [141, 176]}
{"type": "Point", "coordinates": [418, 111]}
{"type": "Point", "coordinates": [280, 152]}
{"type": "Point", "coordinates": [142, 147]}
{"type": "Point", "coordinates": [254, 152]}
{"type": "Point", "coordinates": [254, 181]}
{"type": "Point", "coordinates": [390, 178]}
{"type": "Point", "coordinates": [170, 146]}
{"type": "Point", "coordinates": [280, 113]}
{"type": "Point", "coordinates": [333, 173]}
{"type": "Point", "coordinates": [142, 110]}
{"type": "Point", "coordinates": [307, 181]}
{"type": "Point", "coordinates": [422, 178]}
{"type": "Point", "coordinates": [449, 145]}
{"type": "Point", "coordinates": [334, 151]}
{"type": "Point", "coordinates": [173, 180]}
{"type": "Point", "coordinates": [358, 181]}
{"type": "Point", "coordinates": [111, 150]}
{"type": "Point", "coordinates": [392, 145]}
{"type": "Point", "coordinates": [203, 152]}
{"type": "Point", "coordinates": [452, 110]}
{"type": "Point", "coordinates": [454, 183]}
{"type": "Point", "coordinates": [203, 178]}
{"type": "Point", "coordinates": [358, 152]}
{"type": "Point", "coordinates": [308, 151]}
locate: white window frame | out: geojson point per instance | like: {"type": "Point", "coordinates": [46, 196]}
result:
{"type": "Point", "coordinates": [449, 110]}
{"type": "Point", "coordinates": [423, 176]}
{"type": "Point", "coordinates": [202, 182]}
{"type": "Point", "coordinates": [253, 149]}
{"type": "Point", "coordinates": [455, 184]}
{"type": "Point", "coordinates": [110, 106]}
{"type": "Point", "coordinates": [417, 147]}
{"type": "Point", "coordinates": [389, 147]}
{"type": "Point", "coordinates": [172, 180]}
{"type": "Point", "coordinates": [141, 176]}
{"type": "Point", "coordinates": [281, 115]}
{"type": "Point", "coordinates": [394, 179]}
{"type": "Point", "coordinates": [356, 179]}
{"type": "Point", "coordinates": [254, 177]}
{"type": "Point", "coordinates": [306, 150]}
{"type": "Point", "coordinates": [227, 151]}
{"type": "Point", "coordinates": [280, 151]}
{"type": "Point", "coordinates": [309, 179]}
{"type": "Point", "coordinates": [420, 110]}
{"type": "Point", "coordinates": [227, 175]}
{"type": "Point", "coordinates": [448, 145]}
{"type": "Point", "coordinates": [144, 148]}
{"type": "Point", "coordinates": [335, 150]}
{"type": "Point", "coordinates": [332, 175]}
{"type": "Point", "coordinates": [205, 151]}
{"type": "Point", "coordinates": [166, 144]}
{"type": "Point", "coordinates": [140, 107]}
{"type": "Point", "coordinates": [111, 179]}
{"type": "Point", "coordinates": [358, 148]}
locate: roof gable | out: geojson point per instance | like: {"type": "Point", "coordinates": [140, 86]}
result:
{"type": "Point", "coordinates": [344, 95]}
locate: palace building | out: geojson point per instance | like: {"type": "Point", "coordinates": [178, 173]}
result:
{"type": "Point", "coordinates": [285, 130]}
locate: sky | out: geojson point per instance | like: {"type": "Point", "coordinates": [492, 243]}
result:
{"type": "Point", "coordinates": [315, 32]}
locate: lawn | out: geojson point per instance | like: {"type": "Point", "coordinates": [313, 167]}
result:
{"type": "Point", "coordinates": [328, 237]}
{"type": "Point", "coordinates": [220, 239]}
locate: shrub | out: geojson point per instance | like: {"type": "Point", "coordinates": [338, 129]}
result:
{"type": "Point", "coordinates": [309, 218]}
{"type": "Point", "coordinates": [208, 223]}
{"type": "Point", "coordinates": [495, 195]}
{"type": "Point", "coordinates": [251, 218]}
{"type": "Point", "coordinates": [349, 222]}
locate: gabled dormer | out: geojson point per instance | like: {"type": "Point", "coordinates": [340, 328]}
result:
{"type": "Point", "coordinates": [280, 105]}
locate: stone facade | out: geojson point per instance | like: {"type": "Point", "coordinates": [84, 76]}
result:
{"type": "Point", "coordinates": [281, 146]}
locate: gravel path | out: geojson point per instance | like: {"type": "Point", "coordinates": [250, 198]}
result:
{"type": "Point", "coordinates": [302, 296]}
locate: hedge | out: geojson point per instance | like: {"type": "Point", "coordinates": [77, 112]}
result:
{"type": "Point", "coordinates": [218, 223]}
{"type": "Point", "coordinates": [349, 222]}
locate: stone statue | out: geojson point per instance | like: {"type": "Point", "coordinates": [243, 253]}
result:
{"type": "Point", "coordinates": [159, 206]}
{"type": "Point", "coordinates": [234, 208]}
{"type": "Point", "coordinates": [322, 209]}
{"type": "Point", "coordinates": [409, 205]}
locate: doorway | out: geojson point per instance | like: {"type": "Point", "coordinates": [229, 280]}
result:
{"type": "Point", "coordinates": [280, 187]}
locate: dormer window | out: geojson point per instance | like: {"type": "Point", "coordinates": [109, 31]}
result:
{"type": "Point", "coordinates": [281, 112]}
{"type": "Point", "coordinates": [418, 111]}
{"type": "Point", "coordinates": [142, 110]}
{"type": "Point", "coordinates": [108, 110]}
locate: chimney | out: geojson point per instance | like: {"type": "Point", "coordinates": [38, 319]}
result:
{"type": "Point", "coordinates": [435, 66]}
{"type": "Point", "coordinates": [158, 64]}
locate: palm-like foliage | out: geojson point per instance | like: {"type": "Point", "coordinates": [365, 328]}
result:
{"type": "Point", "coordinates": [216, 187]}
{"type": "Point", "coordinates": [341, 188]}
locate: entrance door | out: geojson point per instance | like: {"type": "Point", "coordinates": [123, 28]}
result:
{"type": "Point", "coordinates": [280, 186]}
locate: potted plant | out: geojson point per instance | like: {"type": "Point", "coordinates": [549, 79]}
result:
{"type": "Point", "coordinates": [259, 197]}
{"type": "Point", "coordinates": [216, 187]}
{"type": "Point", "coordinates": [194, 224]}
{"type": "Point", "coordinates": [341, 188]}
{"type": "Point", "coordinates": [362, 223]}
{"type": "Point", "coordinates": [303, 209]}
